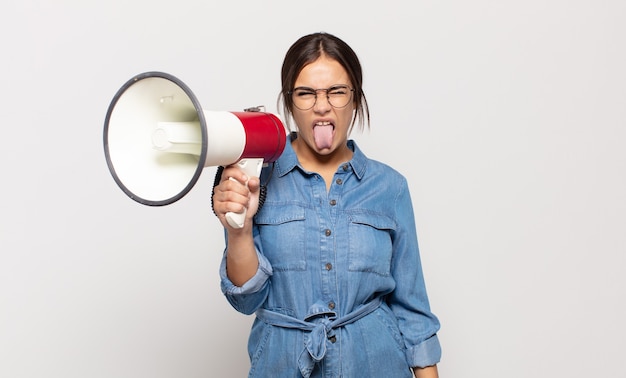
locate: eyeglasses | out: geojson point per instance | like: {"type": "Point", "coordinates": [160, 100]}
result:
{"type": "Point", "coordinates": [338, 96]}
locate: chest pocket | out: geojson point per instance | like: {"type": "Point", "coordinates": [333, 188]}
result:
{"type": "Point", "coordinates": [370, 243]}
{"type": "Point", "coordinates": [282, 232]}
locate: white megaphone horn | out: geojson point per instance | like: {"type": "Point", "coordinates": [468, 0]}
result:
{"type": "Point", "coordinates": [157, 140]}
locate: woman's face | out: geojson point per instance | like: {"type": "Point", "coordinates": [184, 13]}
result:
{"type": "Point", "coordinates": [323, 128]}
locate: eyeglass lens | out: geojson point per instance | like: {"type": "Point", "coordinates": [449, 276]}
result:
{"type": "Point", "coordinates": [338, 96]}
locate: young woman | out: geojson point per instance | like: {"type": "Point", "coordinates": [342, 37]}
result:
{"type": "Point", "coordinates": [330, 262]}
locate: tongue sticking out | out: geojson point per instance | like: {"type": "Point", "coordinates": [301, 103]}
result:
{"type": "Point", "coordinates": [323, 135]}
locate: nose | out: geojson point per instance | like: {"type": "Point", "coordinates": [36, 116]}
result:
{"type": "Point", "coordinates": [322, 103]}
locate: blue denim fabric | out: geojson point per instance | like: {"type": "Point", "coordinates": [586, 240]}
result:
{"type": "Point", "coordinates": [323, 255]}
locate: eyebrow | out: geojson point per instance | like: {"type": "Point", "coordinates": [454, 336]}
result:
{"type": "Point", "coordinates": [321, 89]}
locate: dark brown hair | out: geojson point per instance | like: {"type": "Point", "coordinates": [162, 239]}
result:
{"type": "Point", "coordinates": [308, 49]}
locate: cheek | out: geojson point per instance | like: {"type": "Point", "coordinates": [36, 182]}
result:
{"type": "Point", "coordinates": [299, 119]}
{"type": "Point", "coordinates": [346, 117]}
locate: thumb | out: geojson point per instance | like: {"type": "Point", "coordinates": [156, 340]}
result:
{"type": "Point", "coordinates": [254, 186]}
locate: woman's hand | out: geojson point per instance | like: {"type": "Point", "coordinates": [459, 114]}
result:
{"type": "Point", "coordinates": [235, 193]}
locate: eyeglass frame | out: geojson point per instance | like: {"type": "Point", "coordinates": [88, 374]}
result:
{"type": "Point", "coordinates": [327, 90]}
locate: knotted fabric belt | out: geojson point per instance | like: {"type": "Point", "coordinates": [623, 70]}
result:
{"type": "Point", "coordinates": [319, 331]}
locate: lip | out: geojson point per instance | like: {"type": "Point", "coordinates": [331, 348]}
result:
{"type": "Point", "coordinates": [322, 121]}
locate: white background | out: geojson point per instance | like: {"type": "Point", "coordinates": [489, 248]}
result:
{"type": "Point", "coordinates": [507, 117]}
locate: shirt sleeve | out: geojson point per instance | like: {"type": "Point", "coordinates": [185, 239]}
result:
{"type": "Point", "coordinates": [251, 295]}
{"type": "Point", "coordinates": [409, 300]}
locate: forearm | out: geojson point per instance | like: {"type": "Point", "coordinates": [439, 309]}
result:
{"type": "Point", "coordinates": [241, 259]}
{"type": "Point", "coordinates": [427, 372]}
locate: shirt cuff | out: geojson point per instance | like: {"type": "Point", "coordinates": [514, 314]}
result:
{"type": "Point", "coordinates": [253, 285]}
{"type": "Point", "coordinates": [427, 353]}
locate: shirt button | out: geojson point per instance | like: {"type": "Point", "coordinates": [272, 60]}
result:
{"type": "Point", "coordinates": [339, 181]}
{"type": "Point", "coordinates": [344, 167]}
{"type": "Point", "coordinates": [329, 266]}
{"type": "Point", "coordinates": [328, 232]}
{"type": "Point", "coordinates": [332, 339]}
{"type": "Point", "coordinates": [333, 202]}
{"type": "Point", "coordinates": [331, 305]}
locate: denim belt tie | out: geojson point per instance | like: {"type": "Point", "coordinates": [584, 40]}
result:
{"type": "Point", "coordinates": [319, 331]}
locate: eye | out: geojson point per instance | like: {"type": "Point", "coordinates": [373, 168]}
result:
{"type": "Point", "coordinates": [304, 92]}
{"type": "Point", "coordinates": [338, 90]}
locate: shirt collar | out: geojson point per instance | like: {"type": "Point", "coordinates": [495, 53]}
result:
{"type": "Point", "coordinates": [289, 161]}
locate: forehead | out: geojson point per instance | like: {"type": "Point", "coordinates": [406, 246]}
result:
{"type": "Point", "coordinates": [322, 73]}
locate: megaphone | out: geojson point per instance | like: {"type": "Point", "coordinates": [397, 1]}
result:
{"type": "Point", "coordinates": [158, 139]}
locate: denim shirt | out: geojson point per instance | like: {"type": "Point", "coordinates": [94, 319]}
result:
{"type": "Point", "coordinates": [323, 257]}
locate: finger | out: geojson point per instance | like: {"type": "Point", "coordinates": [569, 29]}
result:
{"type": "Point", "coordinates": [232, 188]}
{"type": "Point", "coordinates": [233, 192]}
{"type": "Point", "coordinates": [233, 172]}
{"type": "Point", "coordinates": [223, 207]}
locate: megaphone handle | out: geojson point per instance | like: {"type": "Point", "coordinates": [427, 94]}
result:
{"type": "Point", "coordinates": [252, 168]}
